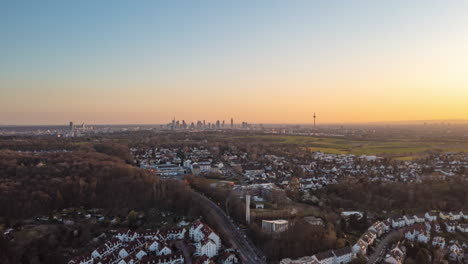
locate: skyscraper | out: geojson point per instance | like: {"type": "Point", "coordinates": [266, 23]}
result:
{"type": "Point", "coordinates": [232, 123]}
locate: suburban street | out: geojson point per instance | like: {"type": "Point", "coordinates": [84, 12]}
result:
{"type": "Point", "coordinates": [237, 239]}
{"type": "Point", "coordinates": [380, 249]}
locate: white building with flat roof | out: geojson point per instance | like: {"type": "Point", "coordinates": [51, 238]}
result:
{"type": "Point", "coordinates": [275, 226]}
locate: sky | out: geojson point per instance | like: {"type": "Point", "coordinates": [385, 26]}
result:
{"type": "Point", "coordinates": [260, 61]}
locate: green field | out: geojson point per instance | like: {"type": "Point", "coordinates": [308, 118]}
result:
{"type": "Point", "coordinates": [402, 148]}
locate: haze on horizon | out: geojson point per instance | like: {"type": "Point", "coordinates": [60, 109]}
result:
{"type": "Point", "coordinates": [125, 62]}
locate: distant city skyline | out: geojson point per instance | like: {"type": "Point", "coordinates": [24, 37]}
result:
{"type": "Point", "coordinates": [123, 62]}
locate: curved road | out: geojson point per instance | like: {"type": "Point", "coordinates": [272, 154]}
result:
{"type": "Point", "coordinates": [246, 251]}
{"type": "Point", "coordinates": [380, 249]}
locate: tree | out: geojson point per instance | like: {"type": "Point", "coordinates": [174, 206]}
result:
{"type": "Point", "coordinates": [132, 218]}
{"type": "Point", "coordinates": [360, 259]}
{"type": "Point", "coordinates": [422, 257]}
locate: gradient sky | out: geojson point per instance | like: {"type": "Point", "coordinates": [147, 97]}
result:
{"type": "Point", "coordinates": [105, 62]}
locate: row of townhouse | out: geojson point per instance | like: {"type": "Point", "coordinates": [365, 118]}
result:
{"type": "Point", "coordinates": [336, 256]}
{"type": "Point", "coordinates": [150, 246]}
{"type": "Point", "coordinates": [207, 242]}
{"type": "Point", "coordinates": [396, 255]}
{"type": "Point", "coordinates": [418, 232]}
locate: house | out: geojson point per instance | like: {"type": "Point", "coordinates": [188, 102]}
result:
{"type": "Point", "coordinates": [199, 231]}
{"type": "Point", "coordinates": [378, 227]}
{"type": "Point", "coordinates": [167, 259]}
{"type": "Point", "coordinates": [463, 228]}
{"type": "Point", "coordinates": [207, 247]}
{"type": "Point", "coordinates": [430, 216]}
{"type": "Point", "coordinates": [101, 252]}
{"type": "Point", "coordinates": [409, 220]}
{"type": "Point", "coordinates": [140, 254]}
{"type": "Point", "coordinates": [360, 247]}
{"type": "Point", "coordinates": [419, 218]}
{"type": "Point", "coordinates": [127, 260]}
{"type": "Point", "coordinates": [303, 260]}
{"type": "Point", "coordinates": [369, 237]}
{"type": "Point", "coordinates": [123, 253]}
{"type": "Point", "coordinates": [464, 214]}
{"type": "Point", "coordinates": [259, 206]}
{"type": "Point", "coordinates": [172, 234]}
{"type": "Point", "coordinates": [455, 247]}
{"type": "Point", "coordinates": [153, 246]}
{"type": "Point", "coordinates": [450, 226]}
{"type": "Point", "coordinates": [438, 241]}
{"type": "Point", "coordinates": [229, 258]}
{"type": "Point", "coordinates": [202, 260]}
{"type": "Point", "coordinates": [126, 235]}
{"type": "Point", "coordinates": [444, 215]}
{"type": "Point", "coordinates": [165, 250]}
{"type": "Point", "coordinates": [398, 222]}
{"type": "Point", "coordinates": [275, 226]}
{"type": "Point", "coordinates": [252, 170]}
{"type": "Point", "coordinates": [343, 255]}
{"type": "Point", "coordinates": [326, 257]}
{"type": "Point", "coordinates": [454, 216]}
{"type": "Point", "coordinates": [82, 260]}
{"type": "Point", "coordinates": [417, 233]}
{"type": "Point", "coordinates": [396, 255]}
{"type": "Point", "coordinates": [455, 256]}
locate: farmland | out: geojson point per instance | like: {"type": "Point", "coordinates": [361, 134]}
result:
{"type": "Point", "coordinates": [404, 149]}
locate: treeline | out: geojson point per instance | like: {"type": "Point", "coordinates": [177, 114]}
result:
{"type": "Point", "coordinates": [301, 239]}
{"type": "Point", "coordinates": [418, 197]}
{"type": "Point", "coordinates": [32, 183]}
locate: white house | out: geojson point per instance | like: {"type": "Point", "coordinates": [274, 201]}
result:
{"type": "Point", "coordinates": [409, 220]}
{"type": "Point", "coordinates": [455, 247]}
{"type": "Point", "coordinates": [123, 253]}
{"type": "Point", "coordinates": [430, 216]}
{"type": "Point", "coordinates": [165, 250]}
{"type": "Point", "coordinates": [417, 233]}
{"type": "Point", "coordinates": [140, 254]}
{"type": "Point", "coordinates": [454, 215]}
{"type": "Point", "coordinates": [199, 231]}
{"type": "Point", "coordinates": [378, 227]}
{"type": "Point", "coordinates": [438, 241]}
{"type": "Point", "coordinates": [153, 246]}
{"type": "Point", "coordinates": [326, 257]}
{"type": "Point", "coordinates": [82, 260]}
{"type": "Point", "coordinates": [360, 247]}
{"type": "Point", "coordinates": [167, 259]}
{"type": "Point", "coordinates": [101, 252]}
{"type": "Point", "coordinates": [229, 258]}
{"type": "Point", "coordinates": [207, 247]}
{"type": "Point", "coordinates": [396, 255]}
{"type": "Point", "coordinates": [463, 228]}
{"type": "Point", "coordinates": [419, 218]}
{"type": "Point", "coordinates": [398, 222]}
{"type": "Point", "coordinates": [444, 215]}
{"type": "Point", "coordinates": [464, 214]}
{"type": "Point", "coordinates": [126, 235]}
{"type": "Point", "coordinates": [128, 260]}
{"type": "Point", "coordinates": [423, 237]}
{"type": "Point", "coordinates": [450, 226]}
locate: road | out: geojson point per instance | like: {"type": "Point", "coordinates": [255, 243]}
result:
{"type": "Point", "coordinates": [381, 248]}
{"type": "Point", "coordinates": [247, 252]}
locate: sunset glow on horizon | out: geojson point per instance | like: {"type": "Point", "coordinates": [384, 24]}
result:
{"type": "Point", "coordinates": [124, 62]}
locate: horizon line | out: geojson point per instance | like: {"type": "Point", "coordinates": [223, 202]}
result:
{"type": "Point", "coordinates": [461, 120]}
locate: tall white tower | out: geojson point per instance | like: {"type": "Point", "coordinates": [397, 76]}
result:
{"type": "Point", "coordinates": [247, 209]}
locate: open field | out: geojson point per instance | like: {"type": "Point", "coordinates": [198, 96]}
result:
{"type": "Point", "coordinates": [405, 149]}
